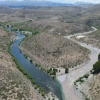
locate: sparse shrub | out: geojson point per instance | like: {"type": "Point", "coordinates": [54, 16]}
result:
{"type": "Point", "coordinates": [96, 67]}
{"type": "Point", "coordinates": [25, 56]}
{"type": "Point", "coordinates": [31, 60]}
{"type": "Point", "coordinates": [86, 75]}
{"type": "Point", "coordinates": [23, 71]}
{"type": "Point", "coordinates": [36, 87]}
{"type": "Point", "coordinates": [54, 76]}
{"type": "Point", "coordinates": [66, 70]}
{"type": "Point", "coordinates": [99, 57]}
{"type": "Point", "coordinates": [87, 99]}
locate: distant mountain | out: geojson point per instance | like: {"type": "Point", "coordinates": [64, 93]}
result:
{"type": "Point", "coordinates": [84, 4]}
{"type": "Point", "coordinates": [78, 3]}
{"type": "Point", "coordinates": [32, 3]}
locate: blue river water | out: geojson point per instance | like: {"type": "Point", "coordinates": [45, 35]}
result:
{"type": "Point", "coordinates": [41, 78]}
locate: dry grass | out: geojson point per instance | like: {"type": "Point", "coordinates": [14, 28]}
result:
{"type": "Point", "coordinates": [13, 84]}
{"type": "Point", "coordinates": [52, 20]}
{"type": "Point", "coordinates": [91, 87]}
{"type": "Point", "coordinates": [55, 27]}
{"type": "Point", "coordinates": [54, 51]}
{"type": "Point", "coordinates": [93, 38]}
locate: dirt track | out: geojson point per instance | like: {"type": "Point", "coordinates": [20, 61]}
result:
{"type": "Point", "coordinates": [68, 84]}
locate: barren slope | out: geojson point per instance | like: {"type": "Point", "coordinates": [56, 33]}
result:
{"type": "Point", "coordinates": [91, 87]}
{"type": "Point", "coordinates": [53, 51]}
{"type": "Point", "coordinates": [56, 27]}
{"type": "Point", "coordinates": [13, 84]}
{"type": "Point", "coordinates": [93, 38]}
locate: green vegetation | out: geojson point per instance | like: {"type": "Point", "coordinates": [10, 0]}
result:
{"type": "Point", "coordinates": [54, 76]}
{"type": "Point", "coordinates": [66, 70]}
{"type": "Point", "coordinates": [96, 66]}
{"type": "Point", "coordinates": [81, 79]}
{"type": "Point", "coordinates": [87, 99]}
{"type": "Point", "coordinates": [25, 73]}
{"type": "Point", "coordinates": [31, 60]}
{"type": "Point", "coordinates": [86, 76]}
{"type": "Point", "coordinates": [33, 32]}
{"type": "Point", "coordinates": [14, 29]}
{"type": "Point", "coordinates": [25, 56]}
{"type": "Point", "coordinates": [99, 57]}
{"type": "Point", "coordinates": [9, 50]}
{"type": "Point", "coordinates": [51, 71]}
{"type": "Point", "coordinates": [89, 22]}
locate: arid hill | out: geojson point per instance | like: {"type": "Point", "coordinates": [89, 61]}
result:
{"type": "Point", "coordinates": [53, 20]}
{"type": "Point", "coordinates": [93, 38]}
{"type": "Point", "coordinates": [91, 87]}
{"type": "Point", "coordinates": [13, 84]}
{"type": "Point", "coordinates": [54, 51]}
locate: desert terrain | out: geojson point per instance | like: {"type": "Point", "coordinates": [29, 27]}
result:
{"type": "Point", "coordinates": [53, 51]}
{"type": "Point", "coordinates": [49, 48]}
{"type": "Point", "coordinates": [13, 84]}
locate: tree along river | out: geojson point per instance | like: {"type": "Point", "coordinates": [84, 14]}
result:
{"type": "Point", "coordinates": [41, 78]}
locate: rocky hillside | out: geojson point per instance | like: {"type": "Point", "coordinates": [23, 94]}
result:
{"type": "Point", "coordinates": [53, 51]}
{"type": "Point", "coordinates": [13, 84]}
{"type": "Point", "coordinates": [91, 87]}
{"type": "Point", "coordinates": [93, 38]}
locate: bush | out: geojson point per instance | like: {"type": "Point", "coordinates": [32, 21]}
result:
{"type": "Point", "coordinates": [24, 72]}
{"type": "Point", "coordinates": [25, 56]}
{"type": "Point", "coordinates": [36, 87]}
{"type": "Point", "coordinates": [33, 32]}
{"type": "Point", "coordinates": [43, 94]}
{"type": "Point", "coordinates": [99, 57]}
{"type": "Point", "coordinates": [66, 70]}
{"type": "Point", "coordinates": [80, 80]}
{"type": "Point", "coordinates": [54, 76]}
{"type": "Point", "coordinates": [96, 67]}
{"type": "Point", "coordinates": [87, 98]}
{"type": "Point", "coordinates": [86, 75]}
{"type": "Point", "coordinates": [31, 60]}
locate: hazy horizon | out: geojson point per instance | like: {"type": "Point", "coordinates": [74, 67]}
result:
{"type": "Point", "coordinates": [62, 1]}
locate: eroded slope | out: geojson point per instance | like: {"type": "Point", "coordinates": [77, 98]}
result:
{"type": "Point", "coordinates": [13, 84]}
{"type": "Point", "coordinates": [53, 51]}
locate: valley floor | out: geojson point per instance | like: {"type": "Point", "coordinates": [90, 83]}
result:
{"type": "Point", "coordinates": [68, 84]}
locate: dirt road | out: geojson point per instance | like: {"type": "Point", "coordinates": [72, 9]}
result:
{"type": "Point", "coordinates": [68, 84]}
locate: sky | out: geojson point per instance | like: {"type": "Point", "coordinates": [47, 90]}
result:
{"type": "Point", "coordinates": [71, 1]}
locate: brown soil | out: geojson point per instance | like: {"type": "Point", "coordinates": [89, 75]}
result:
{"type": "Point", "coordinates": [93, 38]}
{"type": "Point", "coordinates": [91, 87]}
{"type": "Point", "coordinates": [54, 51]}
{"type": "Point", "coordinates": [13, 84]}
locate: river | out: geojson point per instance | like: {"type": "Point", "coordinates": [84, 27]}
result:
{"type": "Point", "coordinates": [41, 78]}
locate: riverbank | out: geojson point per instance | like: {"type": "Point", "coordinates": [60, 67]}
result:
{"type": "Point", "coordinates": [13, 84]}
{"type": "Point", "coordinates": [68, 84]}
{"type": "Point", "coordinates": [53, 85]}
